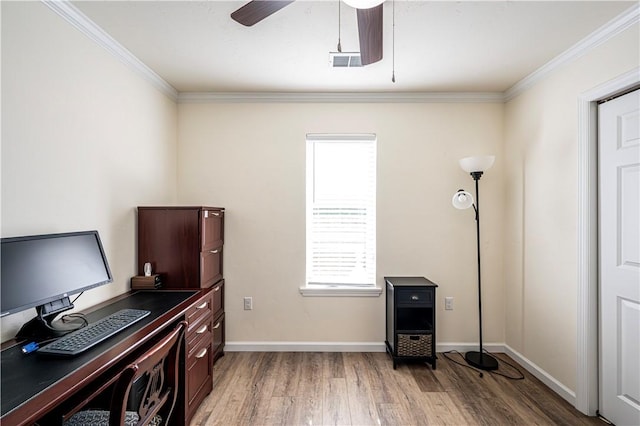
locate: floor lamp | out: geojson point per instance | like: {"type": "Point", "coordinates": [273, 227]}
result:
{"type": "Point", "coordinates": [476, 166]}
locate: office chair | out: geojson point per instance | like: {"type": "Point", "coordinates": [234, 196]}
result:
{"type": "Point", "coordinates": [159, 371]}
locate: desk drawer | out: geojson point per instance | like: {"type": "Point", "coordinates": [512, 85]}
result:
{"type": "Point", "coordinates": [199, 372]}
{"type": "Point", "coordinates": [202, 331]}
{"type": "Point", "coordinates": [197, 312]}
{"type": "Point", "coordinates": [414, 296]}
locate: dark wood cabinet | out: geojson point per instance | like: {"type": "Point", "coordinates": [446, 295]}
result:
{"type": "Point", "coordinates": [185, 246]}
{"type": "Point", "coordinates": [411, 319]}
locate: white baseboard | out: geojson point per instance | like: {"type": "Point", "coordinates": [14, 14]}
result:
{"type": "Point", "coordinates": [304, 347]}
{"type": "Point", "coordinates": [543, 376]}
{"type": "Point", "coordinates": [464, 347]}
{"type": "Point", "coordinates": [345, 347]}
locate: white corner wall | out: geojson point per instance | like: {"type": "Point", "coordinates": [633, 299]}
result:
{"type": "Point", "coordinates": [84, 141]}
{"type": "Point", "coordinates": [540, 179]}
{"type": "Point", "coordinates": [250, 158]}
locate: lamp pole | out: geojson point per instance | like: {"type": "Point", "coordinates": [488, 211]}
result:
{"type": "Point", "coordinates": [476, 178]}
{"type": "Point", "coordinates": [479, 359]}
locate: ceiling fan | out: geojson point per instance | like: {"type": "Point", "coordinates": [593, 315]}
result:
{"type": "Point", "coordinates": [369, 24]}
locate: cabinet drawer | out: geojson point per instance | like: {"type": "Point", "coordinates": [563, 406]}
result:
{"type": "Point", "coordinates": [414, 296]}
{"type": "Point", "coordinates": [199, 332]}
{"type": "Point", "coordinates": [218, 333]}
{"type": "Point", "coordinates": [210, 267]}
{"type": "Point", "coordinates": [212, 228]}
{"type": "Point", "coordinates": [198, 312]}
{"type": "Point", "coordinates": [199, 371]}
{"type": "Point", "coordinates": [218, 298]}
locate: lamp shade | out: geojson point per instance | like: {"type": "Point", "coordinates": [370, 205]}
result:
{"type": "Point", "coordinates": [363, 4]}
{"type": "Point", "coordinates": [477, 164]}
{"type": "Point", "coordinates": [462, 200]}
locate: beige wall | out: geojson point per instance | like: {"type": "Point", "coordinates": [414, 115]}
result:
{"type": "Point", "coordinates": [84, 141]}
{"type": "Point", "coordinates": [540, 174]}
{"type": "Point", "coordinates": [250, 158]}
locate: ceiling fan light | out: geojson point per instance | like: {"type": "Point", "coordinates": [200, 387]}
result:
{"type": "Point", "coordinates": [363, 4]}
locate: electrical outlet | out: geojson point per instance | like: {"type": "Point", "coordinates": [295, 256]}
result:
{"type": "Point", "coordinates": [248, 303]}
{"type": "Point", "coordinates": [448, 303]}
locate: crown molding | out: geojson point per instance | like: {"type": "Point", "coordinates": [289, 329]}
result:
{"type": "Point", "coordinates": [80, 21]}
{"type": "Point", "coordinates": [341, 97]}
{"type": "Point", "coordinates": [609, 30]}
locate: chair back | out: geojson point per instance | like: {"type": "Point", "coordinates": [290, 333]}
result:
{"type": "Point", "coordinates": [159, 370]}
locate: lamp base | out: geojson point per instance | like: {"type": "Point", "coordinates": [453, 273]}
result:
{"type": "Point", "coordinates": [481, 360]}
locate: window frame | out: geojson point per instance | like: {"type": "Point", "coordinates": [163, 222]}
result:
{"type": "Point", "coordinates": [336, 289]}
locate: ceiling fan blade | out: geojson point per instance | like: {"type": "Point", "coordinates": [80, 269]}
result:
{"type": "Point", "coordinates": [370, 34]}
{"type": "Point", "coordinates": [256, 10]}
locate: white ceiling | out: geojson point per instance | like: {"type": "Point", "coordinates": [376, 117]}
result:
{"type": "Point", "coordinates": [469, 46]}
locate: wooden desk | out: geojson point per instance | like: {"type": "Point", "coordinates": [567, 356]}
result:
{"type": "Point", "coordinates": [34, 385]}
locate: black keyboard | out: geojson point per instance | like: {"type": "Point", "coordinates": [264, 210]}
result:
{"type": "Point", "coordinates": [89, 336]}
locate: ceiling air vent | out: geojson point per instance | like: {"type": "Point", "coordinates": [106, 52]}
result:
{"type": "Point", "coordinates": [344, 59]}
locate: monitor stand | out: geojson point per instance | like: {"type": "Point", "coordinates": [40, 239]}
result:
{"type": "Point", "coordinates": [42, 326]}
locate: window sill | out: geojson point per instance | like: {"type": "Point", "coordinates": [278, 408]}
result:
{"type": "Point", "coordinates": [340, 291]}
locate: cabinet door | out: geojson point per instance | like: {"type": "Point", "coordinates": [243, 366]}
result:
{"type": "Point", "coordinates": [212, 223]}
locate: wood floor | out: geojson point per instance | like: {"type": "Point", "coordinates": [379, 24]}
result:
{"type": "Point", "coordinates": [305, 388]}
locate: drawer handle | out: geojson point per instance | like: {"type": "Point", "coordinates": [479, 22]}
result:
{"type": "Point", "coordinates": [202, 329]}
{"type": "Point", "coordinates": [414, 297]}
{"type": "Point", "coordinates": [215, 213]}
{"type": "Point", "coordinates": [202, 353]}
{"type": "Point", "coordinates": [214, 251]}
{"type": "Point", "coordinates": [217, 325]}
{"type": "Point", "coordinates": [216, 288]}
{"type": "Point", "coordinates": [203, 305]}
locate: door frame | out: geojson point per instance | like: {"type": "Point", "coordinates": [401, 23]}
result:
{"type": "Point", "coordinates": [587, 309]}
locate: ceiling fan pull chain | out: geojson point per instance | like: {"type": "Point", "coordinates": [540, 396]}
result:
{"type": "Point", "coordinates": [393, 41]}
{"type": "Point", "coordinates": [339, 45]}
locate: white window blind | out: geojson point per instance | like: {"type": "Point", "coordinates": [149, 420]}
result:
{"type": "Point", "coordinates": [341, 210]}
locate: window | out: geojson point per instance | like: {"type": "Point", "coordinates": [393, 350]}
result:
{"type": "Point", "coordinates": [341, 214]}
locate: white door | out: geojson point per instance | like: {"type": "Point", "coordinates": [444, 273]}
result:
{"type": "Point", "coordinates": [619, 233]}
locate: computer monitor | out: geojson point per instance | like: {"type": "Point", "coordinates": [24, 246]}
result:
{"type": "Point", "coordinates": [42, 271]}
